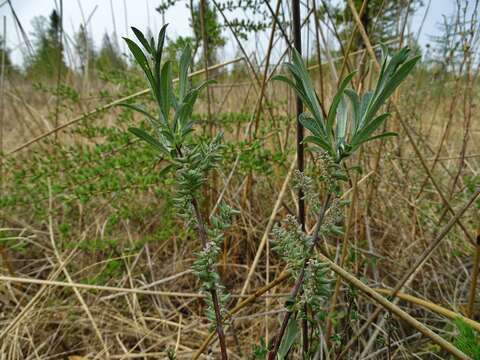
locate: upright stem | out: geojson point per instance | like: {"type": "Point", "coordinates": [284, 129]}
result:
{"type": "Point", "coordinates": [59, 64]}
{"type": "Point", "coordinates": [2, 95]}
{"type": "Point", "coordinates": [297, 42]}
{"type": "Point", "coordinates": [474, 279]}
{"type": "Point", "coordinates": [298, 283]}
{"type": "Point", "coordinates": [203, 29]}
{"type": "Point", "coordinates": [319, 53]}
{"type": "Point", "coordinates": [3, 252]}
{"type": "Point", "coordinates": [202, 233]}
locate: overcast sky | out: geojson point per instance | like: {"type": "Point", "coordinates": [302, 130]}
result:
{"type": "Point", "coordinates": [142, 14]}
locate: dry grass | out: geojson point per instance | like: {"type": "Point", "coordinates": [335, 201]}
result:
{"type": "Point", "coordinates": [151, 306]}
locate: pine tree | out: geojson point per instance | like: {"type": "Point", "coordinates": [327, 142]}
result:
{"type": "Point", "coordinates": [109, 57]}
{"type": "Point", "coordinates": [48, 57]}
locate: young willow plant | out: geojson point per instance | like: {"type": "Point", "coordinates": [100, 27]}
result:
{"type": "Point", "coordinates": [352, 118]}
{"type": "Point", "coordinates": [190, 157]}
{"type": "Point", "coordinates": [351, 121]}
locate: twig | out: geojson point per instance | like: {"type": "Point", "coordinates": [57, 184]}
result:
{"type": "Point", "coordinates": [431, 306]}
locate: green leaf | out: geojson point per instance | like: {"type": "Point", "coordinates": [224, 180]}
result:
{"type": "Point", "coordinates": [142, 39]}
{"type": "Point", "coordinates": [332, 113]}
{"type": "Point", "coordinates": [355, 101]}
{"type": "Point", "coordinates": [364, 134]}
{"type": "Point", "coordinates": [467, 340]}
{"type": "Point", "coordinates": [394, 82]}
{"type": "Point", "coordinates": [365, 101]}
{"type": "Point", "coordinates": [166, 89]}
{"type": "Point", "coordinates": [149, 139]}
{"type": "Point", "coordinates": [341, 123]}
{"type": "Point", "coordinates": [289, 82]}
{"type": "Point", "coordinates": [183, 73]}
{"type": "Point", "coordinates": [300, 71]}
{"type": "Point", "coordinates": [320, 142]}
{"type": "Point", "coordinates": [316, 127]}
{"type": "Point", "coordinates": [158, 55]}
{"type": "Point", "coordinates": [396, 71]}
{"type": "Point", "coordinates": [288, 340]}
{"type": "Point", "coordinates": [141, 59]}
{"type": "Point", "coordinates": [140, 109]}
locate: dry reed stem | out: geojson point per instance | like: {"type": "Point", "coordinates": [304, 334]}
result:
{"type": "Point", "coordinates": [394, 309]}
{"type": "Point", "coordinates": [420, 261]}
{"type": "Point", "coordinates": [33, 300]}
{"type": "Point", "coordinates": [429, 305]}
{"type": "Point", "coordinates": [268, 228]}
{"type": "Point", "coordinates": [67, 274]}
{"type": "Point", "coordinates": [474, 279]}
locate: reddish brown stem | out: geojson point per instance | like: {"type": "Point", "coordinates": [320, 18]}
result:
{"type": "Point", "coordinates": [298, 283]}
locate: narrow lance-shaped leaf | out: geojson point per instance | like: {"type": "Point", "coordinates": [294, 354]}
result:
{"type": "Point", "coordinates": [355, 100]}
{"type": "Point", "coordinates": [391, 85]}
{"type": "Point", "coordinates": [183, 73]}
{"type": "Point", "coordinates": [140, 58]}
{"type": "Point", "coordinates": [149, 139]}
{"type": "Point", "coordinates": [140, 109]}
{"type": "Point", "coordinates": [365, 133]}
{"type": "Point", "coordinates": [142, 39]}
{"type": "Point", "coordinates": [332, 113]}
{"type": "Point", "coordinates": [299, 70]}
{"type": "Point", "coordinates": [158, 55]}
{"type": "Point", "coordinates": [341, 123]}
{"type": "Point", "coordinates": [166, 89]}
{"type": "Point", "coordinates": [289, 339]}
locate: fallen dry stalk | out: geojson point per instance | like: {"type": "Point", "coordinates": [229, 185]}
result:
{"type": "Point", "coordinates": [444, 344]}
{"type": "Point", "coordinates": [421, 260]}
{"type": "Point", "coordinates": [431, 306]}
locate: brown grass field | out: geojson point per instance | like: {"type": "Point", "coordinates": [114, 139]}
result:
{"type": "Point", "coordinates": [95, 264]}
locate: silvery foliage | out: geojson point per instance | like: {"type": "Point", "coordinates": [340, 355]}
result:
{"type": "Point", "coordinates": [207, 258]}
{"type": "Point", "coordinates": [191, 157]}
{"type": "Point", "coordinates": [294, 245]}
{"type": "Point", "coordinates": [352, 118]}
{"type": "Point", "coordinates": [351, 121]}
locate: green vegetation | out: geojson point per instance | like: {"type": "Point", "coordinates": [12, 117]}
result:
{"type": "Point", "coordinates": [160, 224]}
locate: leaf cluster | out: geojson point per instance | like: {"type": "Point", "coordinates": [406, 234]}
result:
{"type": "Point", "coordinates": [352, 118]}
{"type": "Point", "coordinates": [171, 130]}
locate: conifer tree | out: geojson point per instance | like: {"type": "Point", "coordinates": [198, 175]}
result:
{"type": "Point", "coordinates": [47, 59]}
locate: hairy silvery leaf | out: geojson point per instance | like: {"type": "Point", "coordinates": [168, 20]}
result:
{"type": "Point", "coordinates": [347, 127]}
